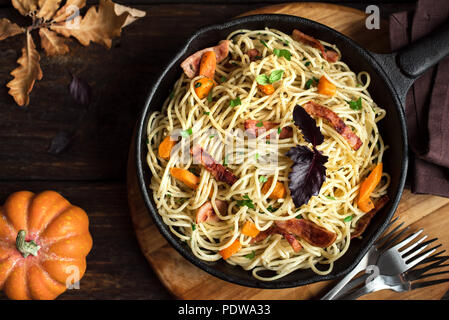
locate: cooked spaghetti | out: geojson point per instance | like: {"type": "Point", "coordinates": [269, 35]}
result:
{"type": "Point", "coordinates": [259, 162]}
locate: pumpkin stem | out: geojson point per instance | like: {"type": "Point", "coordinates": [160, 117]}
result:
{"type": "Point", "coordinates": [26, 247]}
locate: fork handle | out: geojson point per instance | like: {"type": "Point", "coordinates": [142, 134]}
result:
{"type": "Point", "coordinates": [340, 285]}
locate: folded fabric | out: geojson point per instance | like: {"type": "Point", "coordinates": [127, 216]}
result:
{"type": "Point", "coordinates": [427, 103]}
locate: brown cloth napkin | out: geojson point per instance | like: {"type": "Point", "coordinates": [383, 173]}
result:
{"type": "Point", "coordinates": [427, 104]}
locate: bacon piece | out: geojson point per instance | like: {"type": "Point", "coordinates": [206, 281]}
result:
{"type": "Point", "coordinates": [191, 64]}
{"type": "Point", "coordinates": [206, 212]}
{"type": "Point", "coordinates": [329, 55]}
{"type": "Point", "coordinates": [317, 110]}
{"type": "Point", "coordinates": [289, 237]}
{"type": "Point", "coordinates": [312, 233]}
{"type": "Point", "coordinates": [218, 171]}
{"type": "Point", "coordinates": [263, 235]}
{"type": "Point", "coordinates": [364, 221]}
{"type": "Point", "coordinates": [254, 131]}
{"type": "Point", "coordinates": [253, 54]}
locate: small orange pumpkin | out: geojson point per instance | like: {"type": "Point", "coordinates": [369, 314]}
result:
{"type": "Point", "coordinates": [43, 239]}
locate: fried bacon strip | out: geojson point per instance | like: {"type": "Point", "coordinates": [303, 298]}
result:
{"type": "Point", "coordinates": [191, 64]}
{"type": "Point", "coordinates": [364, 221]}
{"type": "Point", "coordinates": [206, 212]}
{"type": "Point", "coordinates": [309, 231]}
{"type": "Point", "coordinates": [317, 110]}
{"type": "Point", "coordinates": [220, 172]}
{"type": "Point", "coordinates": [289, 237]}
{"type": "Point", "coordinates": [329, 55]}
{"type": "Point", "coordinates": [254, 129]}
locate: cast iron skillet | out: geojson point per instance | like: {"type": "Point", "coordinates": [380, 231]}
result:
{"type": "Point", "coordinates": [391, 77]}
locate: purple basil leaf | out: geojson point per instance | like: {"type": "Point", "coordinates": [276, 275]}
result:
{"type": "Point", "coordinates": [80, 90]}
{"type": "Point", "coordinates": [308, 173]}
{"type": "Point", "coordinates": [308, 126]}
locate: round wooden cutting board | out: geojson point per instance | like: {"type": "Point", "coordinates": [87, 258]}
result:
{"type": "Point", "coordinates": [185, 281]}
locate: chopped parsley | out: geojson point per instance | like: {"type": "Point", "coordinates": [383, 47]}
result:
{"type": "Point", "coordinates": [198, 84]}
{"type": "Point", "coordinates": [307, 63]}
{"type": "Point", "coordinates": [355, 104]}
{"type": "Point", "coordinates": [271, 209]}
{"type": "Point", "coordinates": [211, 136]}
{"type": "Point", "coordinates": [225, 161]}
{"type": "Point", "coordinates": [209, 96]}
{"type": "Point", "coordinates": [235, 102]}
{"type": "Point", "coordinates": [223, 79]}
{"type": "Point", "coordinates": [347, 219]}
{"type": "Point", "coordinates": [263, 179]}
{"type": "Point", "coordinates": [193, 226]}
{"type": "Point", "coordinates": [259, 124]}
{"type": "Point", "coordinates": [309, 83]}
{"type": "Point", "coordinates": [298, 216]}
{"type": "Point", "coordinates": [172, 95]}
{"type": "Point", "coordinates": [251, 255]}
{"type": "Point", "coordinates": [264, 43]}
{"type": "Point", "coordinates": [279, 130]}
{"type": "Point", "coordinates": [330, 198]}
{"type": "Point", "coordinates": [245, 202]}
{"type": "Point", "coordinates": [206, 113]}
{"type": "Point", "coordinates": [186, 133]}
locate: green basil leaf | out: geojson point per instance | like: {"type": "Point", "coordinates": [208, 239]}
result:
{"type": "Point", "coordinates": [276, 75]}
{"type": "Point", "coordinates": [262, 79]}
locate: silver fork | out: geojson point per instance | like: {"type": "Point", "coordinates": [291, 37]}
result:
{"type": "Point", "coordinates": [391, 262]}
{"type": "Point", "coordinates": [405, 281]}
{"type": "Point", "coordinates": [369, 258]}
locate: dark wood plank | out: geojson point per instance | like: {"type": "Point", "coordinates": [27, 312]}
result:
{"type": "Point", "coordinates": [120, 79]}
{"type": "Point", "coordinates": [116, 268]}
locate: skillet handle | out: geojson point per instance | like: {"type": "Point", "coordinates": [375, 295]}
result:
{"type": "Point", "coordinates": [406, 65]}
{"type": "Point", "coordinates": [416, 58]}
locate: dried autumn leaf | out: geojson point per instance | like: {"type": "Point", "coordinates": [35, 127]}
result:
{"type": "Point", "coordinates": [69, 10]}
{"type": "Point", "coordinates": [52, 43]}
{"type": "Point", "coordinates": [134, 14]}
{"type": "Point", "coordinates": [98, 26]}
{"type": "Point", "coordinates": [26, 74]}
{"type": "Point", "coordinates": [9, 29]}
{"type": "Point", "coordinates": [47, 8]}
{"type": "Point", "coordinates": [25, 7]}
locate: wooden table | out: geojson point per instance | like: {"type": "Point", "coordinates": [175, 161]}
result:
{"type": "Point", "coordinates": [91, 172]}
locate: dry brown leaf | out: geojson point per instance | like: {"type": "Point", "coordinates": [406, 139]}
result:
{"type": "Point", "coordinates": [67, 11]}
{"type": "Point", "coordinates": [98, 26]}
{"type": "Point", "coordinates": [25, 6]}
{"type": "Point", "coordinates": [47, 8]}
{"type": "Point", "coordinates": [52, 43]}
{"type": "Point", "coordinates": [26, 74]}
{"type": "Point", "coordinates": [134, 14]}
{"type": "Point", "coordinates": [9, 29]}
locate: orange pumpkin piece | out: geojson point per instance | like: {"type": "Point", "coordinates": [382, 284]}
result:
{"type": "Point", "coordinates": [367, 187]}
{"type": "Point", "coordinates": [44, 241]}
{"type": "Point", "coordinates": [208, 64]}
{"type": "Point", "coordinates": [203, 86]}
{"type": "Point", "coordinates": [279, 191]}
{"type": "Point", "coordinates": [186, 177]}
{"type": "Point", "coordinates": [229, 251]}
{"type": "Point", "coordinates": [249, 229]}
{"type": "Point", "coordinates": [326, 87]}
{"type": "Point", "coordinates": [165, 147]}
{"type": "Point", "coordinates": [268, 89]}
